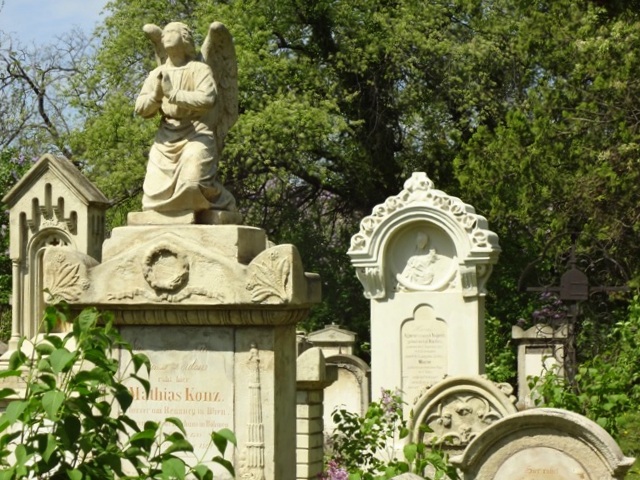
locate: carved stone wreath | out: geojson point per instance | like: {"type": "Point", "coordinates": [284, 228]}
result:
{"type": "Point", "coordinates": [165, 269]}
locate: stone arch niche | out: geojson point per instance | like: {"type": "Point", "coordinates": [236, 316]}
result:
{"type": "Point", "coordinates": [52, 206]}
{"type": "Point", "coordinates": [423, 252]}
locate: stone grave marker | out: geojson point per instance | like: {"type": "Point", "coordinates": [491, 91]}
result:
{"type": "Point", "coordinates": [541, 349]}
{"type": "Point", "coordinates": [423, 258]}
{"type": "Point", "coordinates": [543, 444]}
{"type": "Point", "coordinates": [350, 391]}
{"type": "Point", "coordinates": [215, 310]}
{"type": "Point", "coordinates": [333, 340]}
{"type": "Point", "coordinates": [457, 409]}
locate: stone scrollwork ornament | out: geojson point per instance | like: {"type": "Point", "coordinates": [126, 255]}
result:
{"type": "Point", "coordinates": [458, 409]}
{"type": "Point", "coordinates": [427, 269]}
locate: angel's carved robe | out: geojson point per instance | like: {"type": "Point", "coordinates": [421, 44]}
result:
{"type": "Point", "coordinates": [183, 161]}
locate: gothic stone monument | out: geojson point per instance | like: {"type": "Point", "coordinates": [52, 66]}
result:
{"type": "Point", "coordinates": [423, 258]}
{"type": "Point", "coordinates": [52, 205]}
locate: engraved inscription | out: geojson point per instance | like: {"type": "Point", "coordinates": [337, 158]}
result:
{"type": "Point", "coordinates": [191, 378]}
{"type": "Point", "coordinates": [541, 463]}
{"type": "Point", "coordinates": [424, 351]}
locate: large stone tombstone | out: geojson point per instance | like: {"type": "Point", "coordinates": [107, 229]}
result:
{"type": "Point", "coordinates": [52, 205]}
{"type": "Point", "coordinates": [543, 444]}
{"type": "Point", "coordinates": [214, 307]}
{"type": "Point", "coordinates": [423, 258]}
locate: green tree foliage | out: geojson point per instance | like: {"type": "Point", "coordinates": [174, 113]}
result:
{"type": "Point", "coordinates": [70, 419]}
{"type": "Point", "coordinates": [365, 448]}
{"type": "Point", "coordinates": [607, 386]}
{"type": "Point", "coordinates": [525, 109]}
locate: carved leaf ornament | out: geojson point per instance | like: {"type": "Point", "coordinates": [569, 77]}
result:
{"type": "Point", "coordinates": [65, 280]}
{"type": "Point", "coordinates": [269, 280]}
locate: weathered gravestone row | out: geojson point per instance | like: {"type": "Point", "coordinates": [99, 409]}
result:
{"type": "Point", "coordinates": [212, 304]}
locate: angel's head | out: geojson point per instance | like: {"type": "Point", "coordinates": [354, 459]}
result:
{"type": "Point", "coordinates": [178, 32]}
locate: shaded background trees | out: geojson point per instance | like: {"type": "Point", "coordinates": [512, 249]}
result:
{"type": "Point", "coordinates": [525, 109]}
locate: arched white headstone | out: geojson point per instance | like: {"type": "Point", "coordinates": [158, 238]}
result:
{"type": "Point", "coordinates": [423, 258]}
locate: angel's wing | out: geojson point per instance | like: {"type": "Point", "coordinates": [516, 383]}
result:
{"type": "Point", "coordinates": [220, 54]}
{"type": "Point", "coordinates": [154, 33]}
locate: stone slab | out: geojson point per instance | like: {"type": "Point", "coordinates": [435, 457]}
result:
{"type": "Point", "coordinates": [212, 377]}
{"type": "Point", "coordinates": [541, 463]}
{"type": "Point", "coordinates": [184, 217]}
{"type": "Point", "coordinates": [424, 351]}
{"type": "Point", "coordinates": [192, 378]}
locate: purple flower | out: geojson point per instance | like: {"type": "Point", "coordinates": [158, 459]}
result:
{"type": "Point", "coordinates": [334, 472]}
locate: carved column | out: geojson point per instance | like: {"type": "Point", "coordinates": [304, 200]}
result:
{"type": "Point", "coordinates": [255, 445]}
{"type": "Point", "coordinates": [16, 304]}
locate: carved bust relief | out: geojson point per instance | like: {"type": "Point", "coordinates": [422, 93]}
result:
{"type": "Point", "coordinates": [423, 259]}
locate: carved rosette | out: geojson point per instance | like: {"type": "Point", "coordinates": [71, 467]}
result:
{"type": "Point", "coordinates": [419, 201]}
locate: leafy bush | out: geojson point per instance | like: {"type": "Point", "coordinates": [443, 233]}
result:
{"type": "Point", "coordinates": [606, 387]}
{"type": "Point", "coordinates": [364, 448]}
{"type": "Point", "coordinates": [70, 421]}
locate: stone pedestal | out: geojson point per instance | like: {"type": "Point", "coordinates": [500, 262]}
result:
{"type": "Point", "coordinates": [215, 309]}
{"type": "Point", "coordinates": [313, 377]}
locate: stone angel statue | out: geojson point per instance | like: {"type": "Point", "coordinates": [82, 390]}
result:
{"type": "Point", "coordinates": [197, 100]}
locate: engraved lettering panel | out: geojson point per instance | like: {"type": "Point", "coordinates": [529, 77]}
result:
{"type": "Point", "coordinates": [424, 351]}
{"type": "Point", "coordinates": [541, 463]}
{"type": "Point", "coordinates": [191, 379]}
